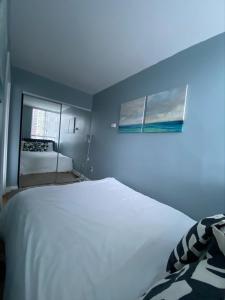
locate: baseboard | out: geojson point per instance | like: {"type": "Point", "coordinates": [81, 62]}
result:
{"type": "Point", "coordinates": [11, 188]}
{"type": "Point", "coordinates": [75, 172]}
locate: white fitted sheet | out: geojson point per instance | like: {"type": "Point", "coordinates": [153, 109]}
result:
{"type": "Point", "coordinates": [96, 240]}
{"type": "Point", "coordinates": [43, 162]}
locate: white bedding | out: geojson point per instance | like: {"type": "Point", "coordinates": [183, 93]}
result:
{"type": "Point", "coordinates": [96, 240]}
{"type": "Point", "coordinates": [43, 162]}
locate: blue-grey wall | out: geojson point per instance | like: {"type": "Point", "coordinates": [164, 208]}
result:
{"type": "Point", "coordinates": [28, 82]}
{"type": "Point", "coordinates": [184, 170]}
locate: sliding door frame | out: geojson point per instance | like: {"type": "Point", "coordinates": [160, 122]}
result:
{"type": "Point", "coordinates": [55, 101]}
{"type": "Point", "coordinates": [59, 135]}
{"type": "Point", "coordinates": [20, 138]}
{"type": "Point", "coordinates": [25, 93]}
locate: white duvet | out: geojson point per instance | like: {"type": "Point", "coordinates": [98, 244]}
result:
{"type": "Point", "coordinates": [96, 240]}
{"type": "Point", "coordinates": [44, 162]}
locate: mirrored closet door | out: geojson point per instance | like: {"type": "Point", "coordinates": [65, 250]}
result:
{"type": "Point", "coordinates": [55, 140]}
{"type": "Point", "coordinates": [74, 139]}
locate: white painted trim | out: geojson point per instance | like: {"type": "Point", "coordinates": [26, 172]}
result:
{"type": "Point", "coordinates": [5, 125]}
{"type": "Point", "coordinates": [75, 172]}
{"type": "Point", "coordinates": [11, 188]}
{"type": "Point", "coordinates": [6, 129]}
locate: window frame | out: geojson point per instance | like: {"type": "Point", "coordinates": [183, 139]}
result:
{"type": "Point", "coordinates": [43, 137]}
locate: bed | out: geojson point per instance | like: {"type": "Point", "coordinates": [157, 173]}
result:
{"type": "Point", "coordinates": [44, 162]}
{"type": "Point", "coordinates": [95, 240]}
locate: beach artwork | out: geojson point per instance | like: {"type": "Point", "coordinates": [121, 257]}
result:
{"type": "Point", "coordinates": [165, 111]}
{"type": "Point", "coordinates": [132, 116]}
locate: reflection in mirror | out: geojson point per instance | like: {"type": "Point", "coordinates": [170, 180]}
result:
{"type": "Point", "coordinates": [74, 133]}
{"type": "Point", "coordinates": [39, 141]}
{"type": "Point", "coordinates": [54, 142]}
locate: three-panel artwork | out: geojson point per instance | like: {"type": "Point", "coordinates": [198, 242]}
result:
{"type": "Point", "coordinates": [161, 112]}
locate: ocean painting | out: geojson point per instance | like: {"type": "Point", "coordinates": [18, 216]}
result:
{"type": "Point", "coordinates": [132, 116]}
{"type": "Point", "coordinates": [165, 111]}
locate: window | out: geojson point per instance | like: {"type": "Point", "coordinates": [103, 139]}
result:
{"type": "Point", "coordinates": [45, 124]}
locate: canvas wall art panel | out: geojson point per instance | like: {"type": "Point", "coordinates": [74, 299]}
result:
{"type": "Point", "coordinates": [165, 111]}
{"type": "Point", "coordinates": [132, 116]}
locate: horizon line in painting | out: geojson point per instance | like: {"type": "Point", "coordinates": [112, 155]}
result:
{"type": "Point", "coordinates": [132, 116]}
{"type": "Point", "coordinates": [165, 111]}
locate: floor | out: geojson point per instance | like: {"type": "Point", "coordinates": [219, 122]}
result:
{"type": "Point", "coordinates": [47, 178]}
{"type": "Point", "coordinates": [9, 195]}
{"type": "Point", "coordinates": [33, 180]}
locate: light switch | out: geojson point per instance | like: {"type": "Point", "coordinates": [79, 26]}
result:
{"type": "Point", "coordinates": [113, 125]}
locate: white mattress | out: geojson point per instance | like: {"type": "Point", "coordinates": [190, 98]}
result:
{"type": "Point", "coordinates": [97, 240]}
{"type": "Point", "coordinates": [43, 162]}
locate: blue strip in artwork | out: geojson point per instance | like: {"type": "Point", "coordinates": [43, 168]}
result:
{"type": "Point", "coordinates": [172, 126]}
{"type": "Point", "coordinates": [131, 128]}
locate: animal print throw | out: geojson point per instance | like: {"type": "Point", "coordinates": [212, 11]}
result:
{"type": "Point", "coordinates": [196, 266]}
{"type": "Point", "coordinates": [35, 146]}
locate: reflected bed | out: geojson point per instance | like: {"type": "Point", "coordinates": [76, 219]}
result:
{"type": "Point", "coordinates": [44, 162]}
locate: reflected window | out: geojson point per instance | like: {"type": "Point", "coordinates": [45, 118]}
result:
{"type": "Point", "coordinates": [45, 124]}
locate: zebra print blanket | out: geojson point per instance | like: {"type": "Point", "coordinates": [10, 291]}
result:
{"type": "Point", "coordinates": [196, 265]}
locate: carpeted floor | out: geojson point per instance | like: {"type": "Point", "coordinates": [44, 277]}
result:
{"type": "Point", "coordinates": [27, 181]}
{"type": "Point", "coordinates": [47, 178]}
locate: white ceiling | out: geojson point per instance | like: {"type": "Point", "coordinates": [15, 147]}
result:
{"type": "Point", "coordinates": [93, 44]}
